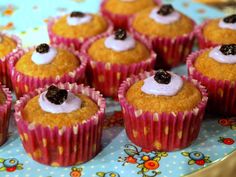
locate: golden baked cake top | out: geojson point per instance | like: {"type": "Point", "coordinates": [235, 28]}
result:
{"type": "Point", "coordinates": [221, 31]}
{"type": "Point", "coordinates": [127, 7]}
{"type": "Point", "coordinates": [218, 63]}
{"type": "Point", "coordinates": [162, 21]}
{"type": "Point", "coordinates": [47, 61]}
{"type": "Point", "coordinates": [7, 45]}
{"type": "Point", "coordinates": [118, 48]}
{"type": "Point", "coordinates": [163, 92]}
{"type": "Point", "coordinates": [58, 107]}
{"type": "Point", "coordinates": [80, 25]}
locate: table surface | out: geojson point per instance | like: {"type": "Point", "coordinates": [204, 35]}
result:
{"type": "Point", "coordinates": [28, 20]}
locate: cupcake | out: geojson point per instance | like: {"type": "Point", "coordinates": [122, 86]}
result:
{"type": "Point", "coordinates": [215, 68]}
{"type": "Point", "coordinates": [73, 29]}
{"type": "Point", "coordinates": [113, 57]}
{"type": "Point", "coordinates": [61, 125]}
{"type": "Point", "coordinates": [119, 11]}
{"type": "Point", "coordinates": [217, 31]}
{"type": "Point", "coordinates": [162, 111]}
{"type": "Point", "coordinates": [8, 45]}
{"type": "Point", "coordinates": [5, 111]}
{"type": "Point", "coordinates": [36, 67]}
{"type": "Point", "coordinates": [170, 32]}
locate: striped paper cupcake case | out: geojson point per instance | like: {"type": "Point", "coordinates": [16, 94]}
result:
{"type": "Point", "coordinates": [107, 77]}
{"type": "Point", "coordinates": [222, 93]}
{"type": "Point", "coordinates": [66, 146]}
{"type": "Point", "coordinates": [161, 131]}
{"type": "Point", "coordinates": [23, 83]}
{"type": "Point", "coordinates": [4, 68]}
{"type": "Point", "coordinates": [5, 111]}
{"type": "Point", "coordinates": [202, 41]}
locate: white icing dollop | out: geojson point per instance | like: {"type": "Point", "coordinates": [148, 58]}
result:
{"type": "Point", "coordinates": [217, 55]}
{"type": "Point", "coordinates": [120, 45]}
{"type": "Point", "coordinates": [224, 25]}
{"type": "Point", "coordinates": [44, 58]}
{"type": "Point", "coordinates": [73, 21]}
{"type": "Point", "coordinates": [167, 19]}
{"type": "Point", "coordinates": [72, 103]}
{"type": "Point", "coordinates": [151, 86]}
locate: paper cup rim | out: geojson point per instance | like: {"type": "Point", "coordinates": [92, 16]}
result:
{"type": "Point", "coordinates": [192, 69]}
{"type": "Point", "coordinates": [100, 101]}
{"type": "Point", "coordinates": [7, 94]}
{"type": "Point", "coordinates": [88, 43]}
{"type": "Point", "coordinates": [77, 54]}
{"type": "Point", "coordinates": [133, 79]}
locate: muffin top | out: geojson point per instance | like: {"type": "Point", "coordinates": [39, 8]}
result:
{"type": "Point", "coordinates": [118, 48]}
{"type": "Point", "coordinates": [58, 107]}
{"type": "Point", "coordinates": [127, 7]}
{"type": "Point", "coordinates": [7, 45]}
{"type": "Point", "coordinates": [80, 25]}
{"type": "Point", "coordinates": [218, 63]}
{"type": "Point", "coordinates": [164, 92]}
{"type": "Point", "coordinates": [162, 21]}
{"type": "Point", "coordinates": [221, 31]}
{"type": "Point", "coordinates": [47, 61]}
{"type": "Point", "coordinates": [2, 97]}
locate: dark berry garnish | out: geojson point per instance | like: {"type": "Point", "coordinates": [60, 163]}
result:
{"type": "Point", "coordinates": [120, 34]}
{"type": "Point", "coordinates": [229, 49]}
{"type": "Point", "coordinates": [56, 95]}
{"type": "Point", "coordinates": [166, 9]}
{"type": "Point", "coordinates": [230, 19]}
{"type": "Point", "coordinates": [77, 14]}
{"type": "Point", "coordinates": [42, 48]}
{"type": "Point", "coordinates": [162, 77]}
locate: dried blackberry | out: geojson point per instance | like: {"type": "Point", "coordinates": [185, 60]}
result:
{"type": "Point", "coordinates": [56, 95]}
{"type": "Point", "coordinates": [162, 77]}
{"type": "Point", "coordinates": [230, 19]}
{"type": "Point", "coordinates": [165, 9]}
{"type": "Point", "coordinates": [120, 34]}
{"type": "Point", "coordinates": [229, 49]}
{"type": "Point", "coordinates": [77, 14]}
{"type": "Point", "coordinates": [42, 48]}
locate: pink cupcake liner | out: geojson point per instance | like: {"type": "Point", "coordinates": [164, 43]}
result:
{"type": "Point", "coordinates": [5, 78]}
{"type": "Point", "coordinates": [164, 131]}
{"type": "Point", "coordinates": [5, 111]}
{"type": "Point", "coordinates": [66, 146]}
{"type": "Point", "coordinates": [222, 93]}
{"type": "Point", "coordinates": [202, 41]}
{"type": "Point", "coordinates": [171, 51]}
{"type": "Point", "coordinates": [119, 20]}
{"type": "Point", "coordinates": [23, 84]}
{"type": "Point", "coordinates": [69, 42]}
{"type": "Point", "coordinates": [107, 77]}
